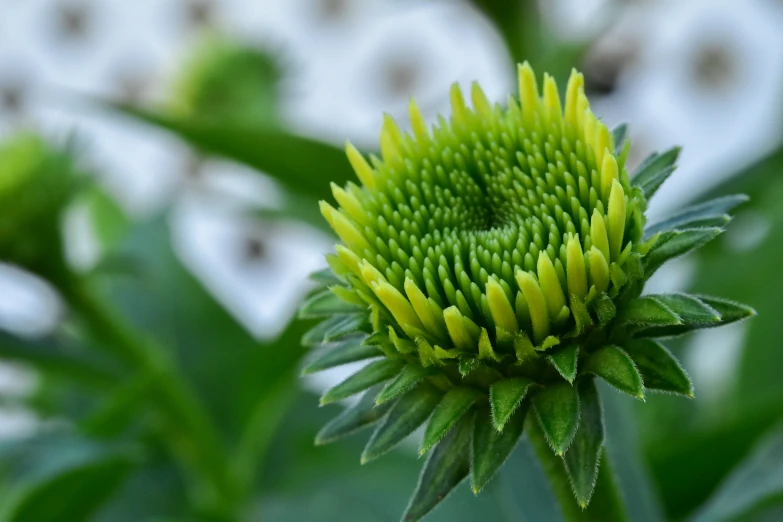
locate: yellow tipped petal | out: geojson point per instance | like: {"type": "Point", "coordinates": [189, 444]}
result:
{"type": "Point", "coordinates": [349, 234]}
{"type": "Point", "coordinates": [603, 142]}
{"type": "Point", "coordinates": [396, 303]}
{"type": "Point", "coordinates": [351, 260]}
{"type": "Point", "coordinates": [551, 96]}
{"type": "Point", "coordinates": [598, 233]}
{"type": "Point", "coordinates": [616, 223]}
{"type": "Point", "coordinates": [370, 274]}
{"type": "Point", "coordinates": [350, 204]}
{"type": "Point", "coordinates": [582, 109]}
{"type": "Point", "coordinates": [360, 166]}
{"type": "Point", "coordinates": [417, 122]}
{"type": "Point", "coordinates": [500, 308]}
{"type": "Point", "coordinates": [528, 90]}
{"type": "Point", "coordinates": [458, 108]}
{"type": "Point", "coordinates": [575, 86]}
{"type": "Point", "coordinates": [576, 275]}
{"type": "Point", "coordinates": [480, 101]}
{"type": "Point", "coordinates": [536, 303]}
{"type": "Point", "coordinates": [599, 269]}
{"type": "Point", "coordinates": [458, 330]}
{"type": "Point", "coordinates": [590, 123]}
{"type": "Point", "coordinates": [423, 309]}
{"type": "Point", "coordinates": [550, 285]}
{"type": "Point", "coordinates": [609, 173]}
{"type": "Point", "coordinates": [391, 139]}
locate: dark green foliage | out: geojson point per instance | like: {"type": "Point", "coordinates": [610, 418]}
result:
{"type": "Point", "coordinates": [346, 350]}
{"type": "Point", "coordinates": [654, 170]}
{"type": "Point", "coordinates": [676, 243]}
{"type": "Point", "coordinates": [614, 366]}
{"type": "Point", "coordinates": [505, 397]}
{"type": "Point", "coordinates": [565, 361]}
{"type": "Point", "coordinates": [492, 447]}
{"type": "Point", "coordinates": [372, 374]}
{"type": "Point", "coordinates": [658, 367]}
{"type": "Point", "coordinates": [647, 311]}
{"type": "Point", "coordinates": [362, 414]}
{"type": "Point", "coordinates": [713, 213]}
{"type": "Point", "coordinates": [449, 411]}
{"type": "Point", "coordinates": [583, 456]}
{"type": "Point", "coordinates": [410, 376]}
{"type": "Point", "coordinates": [557, 409]}
{"type": "Point", "coordinates": [325, 304]}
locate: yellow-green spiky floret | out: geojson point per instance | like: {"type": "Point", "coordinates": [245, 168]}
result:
{"type": "Point", "coordinates": [501, 219]}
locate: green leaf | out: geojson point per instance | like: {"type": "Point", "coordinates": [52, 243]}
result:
{"type": "Point", "coordinates": [617, 368]}
{"type": "Point", "coordinates": [676, 243]}
{"type": "Point", "coordinates": [349, 324]}
{"type": "Point", "coordinates": [408, 413]}
{"type": "Point", "coordinates": [324, 304]}
{"type": "Point", "coordinates": [647, 311]}
{"type": "Point", "coordinates": [303, 165]}
{"type": "Point", "coordinates": [655, 170]}
{"type": "Point", "coordinates": [408, 378]}
{"type": "Point", "coordinates": [109, 221]}
{"type": "Point", "coordinates": [713, 213]}
{"type": "Point", "coordinates": [372, 374]}
{"type": "Point", "coordinates": [326, 277]}
{"type": "Point", "coordinates": [728, 310]}
{"type": "Point", "coordinates": [564, 361]}
{"type": "Point", "coordinates": [619, 134]}
{"type": "Point", "coordinates": [454, 405]}
{"type": "Point", "coordinates": [347, 350]}
{"type": "Point", "coordinates": [315, 335]}
{"type": "Point", "coordinates": [557, 409]}
{"type": "Point", "coordinates": [491, 447]}
{"type": "Point", "coordinates": [659, 368]}
{"type": "Point", "coordinates": [505, 396]}
{"type": "Point", "coordinates": [447, 465]}
{"type": "Point", "coordinates": [754, 482]}
{"type": "Point", "coordinates": [362, 414]}
{"type": "Point", "coordinates": [689, 308]}
{"type": "Point", "coordinates": [583, 456]}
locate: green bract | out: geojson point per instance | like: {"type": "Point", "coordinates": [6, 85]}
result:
{"type": "Point", "coordinates": [491, 267]}
{"type": "Point", "coordinates": [36, 184]}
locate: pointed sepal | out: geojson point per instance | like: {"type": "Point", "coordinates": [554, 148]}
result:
{"type": "Point", "coordinates": [372, 374]}
{"type": "Point", "coordinates": [616, 367]}
{"type": "Point", "coordinates": [491, 448]}
{"type": "Point", "coordinates": [690, 309]}
{"type": "Point", "coordinates": [557, 409]}
{"type": "Point", "coordinates": [677, 243]}
{"type": "Point", "coordinates": [362, 414]}
{"type": "Point", "coordinates": [584, 455]}
{"type": "Point", "coordinates": [324, 304]}
{"type": "Point", "coordinates": [408, 413]}
{"type": "Point", "coordinates": [446, 467]}
{"type": "Point", "coordinates": [347, 350]}
{"type": "Point", "coordinates": [729, 311]}
{"type": "Point", "coordinates": [505, 396]}
{"type": "Point", "coordinates": [454, 405]}
{"type": "Point", "coordinates": [565, 360]}
{"type": "Point", "coordinates": [713, 213]}
{"type": "Point", "coordinates": [409, 377]}
{"type": "Point", "coordinates": [647, 311]}
{"type": "Point", "coordinates": [654, 170]}
{"type": "Point", "coordinates": [659, 368]}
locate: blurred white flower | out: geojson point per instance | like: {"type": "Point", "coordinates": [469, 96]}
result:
{"type": "Point", "coordinates": [709, 77]}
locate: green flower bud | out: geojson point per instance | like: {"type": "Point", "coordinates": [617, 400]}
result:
{"type": "Point", "coordinates": [500, 256]}
{"type": "Point", "coordinates": [36, 185]}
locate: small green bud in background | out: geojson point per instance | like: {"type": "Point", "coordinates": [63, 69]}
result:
{"type": "Point", "coordinates": [37, 183]}
{"type": "Point", "coordinates": [492, 266]}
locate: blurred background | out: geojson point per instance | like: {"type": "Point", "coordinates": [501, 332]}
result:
{"type": "Point", "coordinates": [209, 129]}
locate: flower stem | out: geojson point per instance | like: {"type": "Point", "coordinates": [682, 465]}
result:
{"type": "Point", "coordinates": [606, 504]}
{"type": "Point", "coordinates": [193, 438]}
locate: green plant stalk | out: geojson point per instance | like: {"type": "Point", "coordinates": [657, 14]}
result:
{"type": "Point", "coordinates": [193, 436]}
{"type": "Point", "coordinates": [606, 504]}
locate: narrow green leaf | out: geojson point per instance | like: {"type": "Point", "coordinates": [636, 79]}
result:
{"type": "Point", "coordinates": [362, 414]}
{"type": "Point", "coordinates": [409, 377]}
{"type": "Point", "coordinates": [557, 409]}
{"type": "Point", "coordinates": [324, 304]}
{"type": "Point", "coordinates": [408, 413]}
{"type": "Point", "coordinates": [654, 170]}
{"type": "Point", "coordinates": [756, 481]}
{"type": "Point", "coordinates": [370, 375]}
{"type": "Point", "coordinates": [491, 448]}
{"type": "Point", "coordinates": [619, 133]}
{"type": "Point", "coordinates": [326, 277]}
{"type": "Point", "coordinates": [505, 396]}
{"type": "Point", "coordinates": [713, 213]}
{"type": "Point", "coordinates": [447, 465]}
{"type": "Point", "coordinates": [564, 361]}
{"type": "Point", "coordinates": [316, 334]}
{"type": "Point", "coordinates": [454, 405]}
{"type": "Point", "coordinates": [659, 368]}
{"type": "Point", "coordinates": [729, 311]}
{"type": "Point", "coordinates": [676, 243]}
{"type": "Point", "coordinates": [617, 368]}
{"type": "Point", "coordinates": [689, 308]}
{"type": "Point", "coordinates": [347, 350]}
{"type": "Point", "coordinates": [647, 311]}
{"type": "Point", "coordinates": [351, 323]}
{"type": "Point", "coordinates": [583, 457]}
